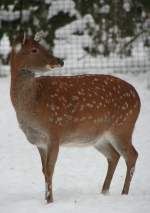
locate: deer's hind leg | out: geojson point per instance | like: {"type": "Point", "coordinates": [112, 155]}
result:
{"type": "Point", "coordinates": [112, 157]}
{"type": "Point", "coordinates": [125, 148]}
{"type": "Point", "coordinates": [130, 159]}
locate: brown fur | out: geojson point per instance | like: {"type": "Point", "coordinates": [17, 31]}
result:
{"type": "Point", "coordinates": [98, 110]}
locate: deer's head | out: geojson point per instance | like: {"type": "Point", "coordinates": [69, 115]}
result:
{"type": "Point", "coordinates": [29, 54]}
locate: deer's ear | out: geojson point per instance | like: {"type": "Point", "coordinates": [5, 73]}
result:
{"type": "Point", "coordinates": [40, 35]}
{"type": "Point", "coordinates": [18, 47]}
{"type": "Point", "coordinates": [18, 43]}
{"type": "Point", "coordinates": [24, 38]}
{"type": "Point", "coordinates": [21, 39]}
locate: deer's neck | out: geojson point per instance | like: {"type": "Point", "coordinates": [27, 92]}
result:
{"type": "Point", "coordinates": [21, 82]}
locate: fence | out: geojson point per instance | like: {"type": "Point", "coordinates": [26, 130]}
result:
{"type": "Point", "coordinates": [92, 36]}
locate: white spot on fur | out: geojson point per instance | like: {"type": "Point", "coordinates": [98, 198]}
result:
{"type": "Point", "coordinates": [79, 92]}
{"type": "Point", "coordinates": [132, 171]}
{"type": "Point", "coordinates": [105, 82]}
{"type": "Point", "coordinates": [52, 107]}
{"type": "Point", "coordinates": [124, 119]}
{"type": "Point", "coordinates": [121, 116]}
{"type": "Point", "coordinates": [108, 113]}
{"type": "Point", "coordinates": [114, 88]}
{"type": "Point", "coordinates": [123, 108]}
{"type": "Point", "coordinates": [89, 105]}
{"type": "Point", "coordinates": [51, 120]}
{"type": "Point", "coordinates": [81, 107]}
{"type": "Point", "coordinates": [110, 94]}
{"type": "Point", "coordinates": [75, 98]}
{"type": "Point", "coordinates": [76, 119]}
{"type": "Point", "coordinates": [135, 105]}
{"type": "Point", "coordinates": [54, 82]}
{"type": "Point", "coordinates": [103, 89]}
{"type": "Point", "coordinates": [119, 87]}
{"type": "Point", "coordinates": [59, 120]}
{"type": "Point", "coordinates": [83, 119]}
{"type": "Point", "coordinates": [126, 104]}
{"type": "Point", "coordinates": [94, 102]}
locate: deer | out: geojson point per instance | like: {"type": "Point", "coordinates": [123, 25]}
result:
{"type": "Point", "coordinates": [98, 110]}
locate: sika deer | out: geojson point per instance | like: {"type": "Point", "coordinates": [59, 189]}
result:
{"type": "Point", "coordinates": [98, 110]}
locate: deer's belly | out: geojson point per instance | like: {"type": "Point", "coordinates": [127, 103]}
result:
{"type": "Point", "coordinates": [78, 142]}
{"type": "Point", "coordinates": [81, 141]}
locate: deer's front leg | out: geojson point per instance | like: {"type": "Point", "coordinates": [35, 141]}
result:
{"type": "Point", "coordinates": [43, 155]}
{"type": "Point", "coordinates": [52, 154]}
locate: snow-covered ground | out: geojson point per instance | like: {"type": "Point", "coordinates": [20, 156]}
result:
{"type": "Point", "coordinates": [79, 173]}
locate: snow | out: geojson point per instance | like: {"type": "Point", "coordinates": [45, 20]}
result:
{"type": "Point", "coordinates": [79, 173]}
{"type": "Point", "coordinates": [4, 46]}
{"type": "Point", "coordinates": [4, 70]}
{"type": "Point", "coordinates": [68, 6]}
{"type": "Point", "coordinates": [127, 6]}
{"type": "Point", "coordinates": [71, 49]}
{"type": "Point", "coordinates": [10, 15]}
{"type": "Point", "coordinates": [77, 26]}
{"type": "Point", "coordinates": [105, 9]}
{"type": "Point", "coordinates": [72, 39]}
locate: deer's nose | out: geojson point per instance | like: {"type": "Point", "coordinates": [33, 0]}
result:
{"type": "Point", "coordinates": [60, 61]}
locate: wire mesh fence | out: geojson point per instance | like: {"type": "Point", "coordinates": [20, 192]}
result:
{"type": "Point", "coordinates": [99, 35]}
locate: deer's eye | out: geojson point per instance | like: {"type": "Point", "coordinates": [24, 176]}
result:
{"type": "Point", "coordinates": [34, 50]}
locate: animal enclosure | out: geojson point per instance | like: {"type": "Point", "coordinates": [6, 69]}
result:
{"type": "Point", "coordinates": [104, 36]}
